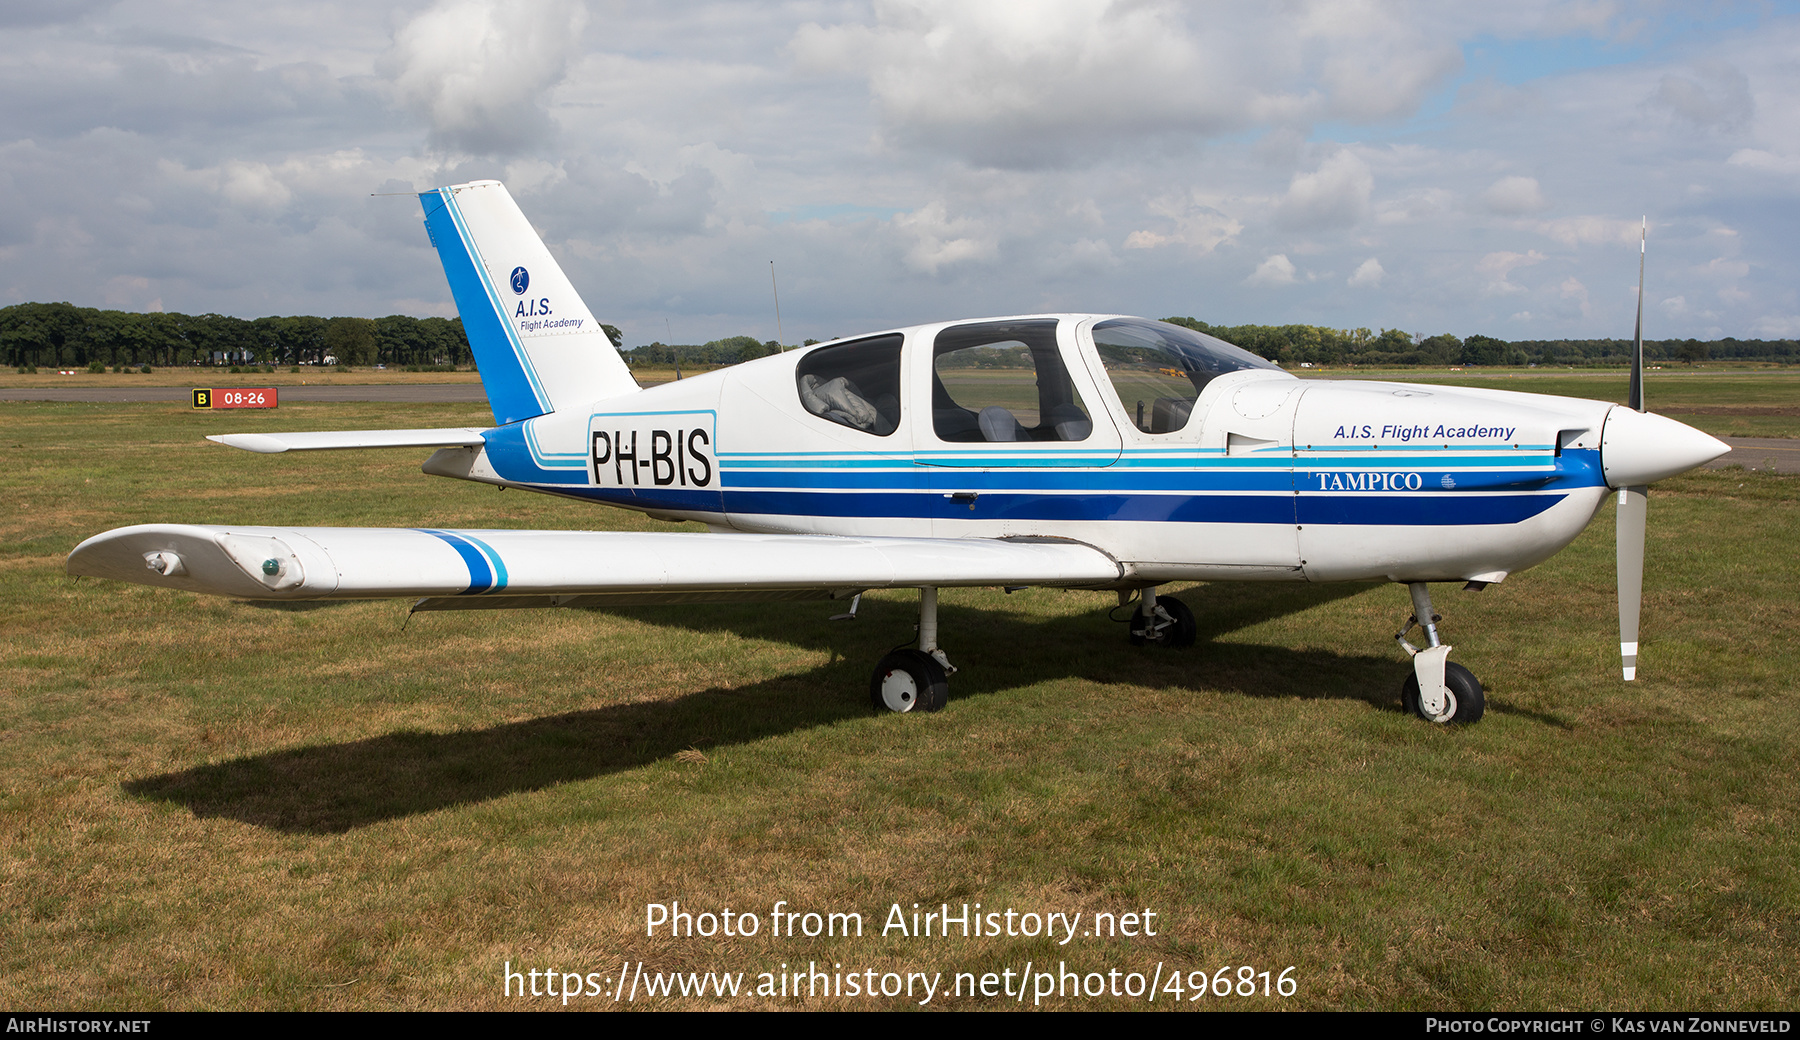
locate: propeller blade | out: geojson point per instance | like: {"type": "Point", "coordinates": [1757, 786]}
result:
{"type": "Point", "coordinates": [1633, 508]}
{"type": "Point", "coordinates": [1634, 503]}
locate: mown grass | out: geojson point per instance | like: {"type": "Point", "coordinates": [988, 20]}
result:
{"type": "Point", "coordinates": [213, 804]}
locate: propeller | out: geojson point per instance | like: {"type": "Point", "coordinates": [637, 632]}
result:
{"type": "Point", "coordinates": [1634, 501]}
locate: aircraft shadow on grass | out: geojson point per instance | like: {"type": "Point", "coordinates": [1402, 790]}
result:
{"type": "Point", "coordinates": [339, 787]}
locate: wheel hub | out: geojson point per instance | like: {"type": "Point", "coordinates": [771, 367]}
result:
{"type": "Point", "coordinates": [899, 691]}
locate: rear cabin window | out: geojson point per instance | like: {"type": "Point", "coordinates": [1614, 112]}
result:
{"type": "Point", "coordinates": [1004, 381]}
{"type": "Point", "coordinates": [854, 384]}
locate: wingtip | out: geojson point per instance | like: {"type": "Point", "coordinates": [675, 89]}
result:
{"type": "Point", "coordinates": [262, 444]}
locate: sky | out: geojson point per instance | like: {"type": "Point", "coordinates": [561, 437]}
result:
{"type": "Point", "coordinates": [1431, 167]}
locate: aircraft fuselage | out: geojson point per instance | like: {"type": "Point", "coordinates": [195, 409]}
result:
{"type": "Point", "coordinates": [1269, 477]}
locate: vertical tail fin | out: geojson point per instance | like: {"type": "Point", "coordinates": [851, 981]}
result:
{"type": "Point", "coordinates": [536, 343]}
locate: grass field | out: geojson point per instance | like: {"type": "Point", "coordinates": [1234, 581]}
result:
{"type": "Point", "coordinates": [214, 804]}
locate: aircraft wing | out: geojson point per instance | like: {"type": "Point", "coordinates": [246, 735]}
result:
{"type": "Point", "coordinates": [475, 569]}
{"type": "Point", "coordinates": [334, 440]}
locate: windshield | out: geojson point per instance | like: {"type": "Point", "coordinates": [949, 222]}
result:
{"type": "Point", "coordinates": [1158, 369]}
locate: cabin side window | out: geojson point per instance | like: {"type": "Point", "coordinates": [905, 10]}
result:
{"type": "Point", "coordinates": [1004, 381]}
{"type": "Point", "coordinates": [853, 384]}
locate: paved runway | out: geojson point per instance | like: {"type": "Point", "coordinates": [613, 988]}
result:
{"type": "Point", "coordinates": [1774, 454]}
{"type": "Point", "coordinates": [401, 393]}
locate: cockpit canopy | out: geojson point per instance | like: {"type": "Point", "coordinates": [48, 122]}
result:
{"type": "Point", "coordinates": [1158, 369]}
{"type": "Point", "coordinates": [1008, 380]}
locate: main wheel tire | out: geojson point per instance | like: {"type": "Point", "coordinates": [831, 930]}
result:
{"type": "Point", "coordinates": [1465, 700]}
{"type": "Point", "coordinates": [1182, 632]}
{"type": "Point", "coordinates": [1178, 633]}
{"type": "Point", "coordinates": [909, 680]}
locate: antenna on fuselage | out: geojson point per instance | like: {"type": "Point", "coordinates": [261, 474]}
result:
{"type": "Point", "coordinates": [673, 348]}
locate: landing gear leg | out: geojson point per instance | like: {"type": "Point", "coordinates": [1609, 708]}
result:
{"type": "Point", "coordinates": [1438, 690]}
{"type": "Point", "coordinates": [914, 679]}
{"type": "Point", "coordinates": [1163, 620]}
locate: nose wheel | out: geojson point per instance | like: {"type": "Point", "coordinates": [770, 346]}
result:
{"type": "Point", "coordinates": [1463, 702]}
{"type": "Point", "coordinates": [1438, 690]}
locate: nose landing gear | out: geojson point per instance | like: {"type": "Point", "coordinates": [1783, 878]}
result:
{"type": "Point", "coordinates": [1438, 690]}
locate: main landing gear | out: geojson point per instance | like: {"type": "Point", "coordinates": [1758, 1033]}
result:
{"type": "Point", "coordinates": [1438, 690]}
{"type": "Point", "coordinates": [914, 679]}
{"type": "Point", "coordinates": [1163, 620]}
{"type": "Point", "coordinates": [917, 678]}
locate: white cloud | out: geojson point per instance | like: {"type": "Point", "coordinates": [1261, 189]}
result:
{"type": "Point", "coordinates": [1514, 196]}
{"type": "Point", "coordinates": [1757, 159]}
{"type": "Point", "coordinates": [1192, 223]}
{"type": "Point", "coordinates": [1418, 204]}
{"type": "Point", "coordinates": [1572, 289]}
{"type": "Point", "coordinates": [905, 160]}
{"type": "Point", "coordinates": [1381, 60]}
{"type": "Point", "coordinates": [1590, 230]}
{"type": "Point", "coordinates": [1368, 275]}
{"type": "Point", "coordinates": [1023, 84]}
{"type": "Point", "coordinates": [1011, 83]}
{"type": "Point", "coordinates": [1497, 267]}
{"type": "Point", "coordinates": [1276, 270]}
{"type": "Point", "coordinates": [1776, 326]}
{"type": "Point", "coordinates": [478, 70]}
{"type": "Point", "coordinates": [938, 240]}
{"type": "Point", "coordinates": [1719, 98]}
{"type": "Point", "coordinates": [1723, 267]}
{"type": "Point", "coordinates": [1333, 196]}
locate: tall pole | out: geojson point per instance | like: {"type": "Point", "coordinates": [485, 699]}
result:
{"type": "Point", "coordinates": [779, 341]}
{"type": "Point", "coordinates": [1635, 397]}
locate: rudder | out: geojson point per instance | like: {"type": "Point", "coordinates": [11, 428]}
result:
{"type": "Point", "coordinates": [535, 342]}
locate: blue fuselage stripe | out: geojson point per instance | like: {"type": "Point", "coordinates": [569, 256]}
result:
{"type": "Point", "coordinates": [1409, 510]}
{"type": "Point", "coordinates": [1460, 490]}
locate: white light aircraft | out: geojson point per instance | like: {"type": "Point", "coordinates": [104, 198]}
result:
{"type": "Point", "coordinates": [1064, 450]}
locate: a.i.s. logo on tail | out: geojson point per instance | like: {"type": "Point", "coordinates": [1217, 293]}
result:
{"type": "Point", "coordinates": [539, 308]}
{"type": "Point", "coordinates": [527, 348]}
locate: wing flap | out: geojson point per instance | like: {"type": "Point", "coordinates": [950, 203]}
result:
{"type": "Point", "coordinates": [372, 563]}
{"type": "Point", "coordinates": [338, 440]}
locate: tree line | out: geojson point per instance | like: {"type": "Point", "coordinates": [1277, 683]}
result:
{"type": "Point", "coordinates": [59, 335]}
{"type": "Point", "coordinates": [62, 335]}
{"type": "Point", "coordinates": [1312, 344]}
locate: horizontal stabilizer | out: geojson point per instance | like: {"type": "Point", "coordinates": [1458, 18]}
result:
{"type": "Point", "coordinates": [372, 563]}
{"type": "Point", "coordinates": [337, 440]}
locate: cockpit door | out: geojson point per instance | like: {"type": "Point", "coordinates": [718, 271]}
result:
{"type": "Point", "coordinates": [1014, 432]}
